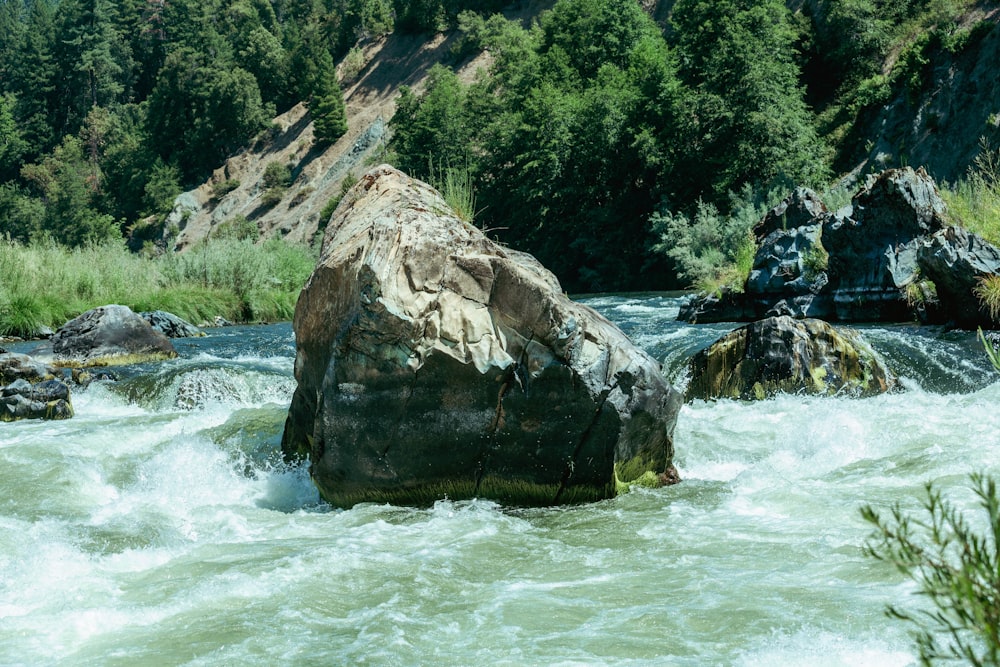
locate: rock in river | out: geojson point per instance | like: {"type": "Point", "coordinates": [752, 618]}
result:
{"type": "Point", "coordinates": [32, 390]}
{"type": "Point", "coordinates": [432, 362]}
{"type": "Point", "coordinates": [782, 354]}
{"type": "Point", "coordinates": [107, 336]}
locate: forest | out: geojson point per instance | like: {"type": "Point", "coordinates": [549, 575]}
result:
{"type": "Point", "coordinates": [626, 154]}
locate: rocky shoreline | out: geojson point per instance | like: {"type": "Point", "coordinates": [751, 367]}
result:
{"type": "Point", "coordinates": [888, 257]}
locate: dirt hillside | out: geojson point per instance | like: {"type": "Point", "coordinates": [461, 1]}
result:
{"type": "Point", "coordinates": [388, 63]}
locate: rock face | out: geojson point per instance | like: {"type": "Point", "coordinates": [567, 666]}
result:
{"type": "Point", "coordinates": [434, 363]}
{"type": "Point", "coordinates": [108, 336]}
{"type": "Point", "coordinates": [31, 390]}
{"type": "Point", "coordinates": [782, 354]}
{"type": "Point", "coordinates": [877, 260]}
{"type": "Point", "coordinates": [170, 325]}
{"type": "Point", "coordinates": [956, 260]}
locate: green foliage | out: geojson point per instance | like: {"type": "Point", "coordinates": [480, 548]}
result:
{"type": "Point", "coordinates": [751, 123]}
{"type": "Point", "coordinates": [329, 113]}
{"type": "Point", "coordinates": [955, 562]}
{"type": "Point", "coordinates": [991, 352]}
{"type": "Point", "coordinates": [974, 202]}
{"type": "Point", "coordinates": [50, 284]}
{"type": "Point", "coordinates": [277, 175]}
{"type": "Point", "coordinates": [433, 128]}
{"type": "Point", "coordinates": [709, 249]}
{"type": "Point", "coordinates": [200, 111]}
{"type": "Point", "coordinates": [458, 189]}
{"type": "Point", "coordinates": [222, 188]}
{"type": "Point", "coordinates": [238, 228]}
{"type": "Point", "coordinates": [988, 293]}
{"type": "Point", "coordinates": [68, 185]}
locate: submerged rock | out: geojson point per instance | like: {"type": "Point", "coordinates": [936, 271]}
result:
{"type": "Point", "coordinates": [782, 354]}
{"type": "Point", "coordinates": [32, 390]}
{"type": "Point", "coordinates": [434, 363]}
{"type": "Point", "coordinates": [107, 336]}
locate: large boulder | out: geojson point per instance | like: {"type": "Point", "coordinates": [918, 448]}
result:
{"type": "Point", "coordinates": [31, 389]}
{"type": "Point", "coordinates": [432, 362]}
{"type": "Point", "coordinates": [782, 354]}
{"type": "Point", "coordinates": [108, 336]}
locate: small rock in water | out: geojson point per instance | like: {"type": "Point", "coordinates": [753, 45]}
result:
{"type": "Point", "coordinates": [781, 354]}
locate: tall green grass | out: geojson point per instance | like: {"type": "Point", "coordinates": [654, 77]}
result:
{"type": "Point", "coordinates": [45, 284]}
{"type": "Point", "coordinates": [974, 202]}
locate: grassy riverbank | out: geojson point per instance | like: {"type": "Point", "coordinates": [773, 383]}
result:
{"type": "Point", "coordinates": [44, 284]}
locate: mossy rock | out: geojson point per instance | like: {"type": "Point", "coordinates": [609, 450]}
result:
{"type": "Point", "coordinates": [782, 354]}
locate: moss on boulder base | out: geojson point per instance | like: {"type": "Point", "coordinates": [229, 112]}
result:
{"type": "Point", "coordinates": [782, 354]}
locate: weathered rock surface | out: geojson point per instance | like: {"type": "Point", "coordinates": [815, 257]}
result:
{"type": "Point", "coordinates": [15, 366]}
{"type": "Point", "coordinates": [877, 260]}
{"type": "Point", "coordinates": [956, 260]}
{"type": "Point", "coordinates": [31, 390]}
{"type": "Point", "coordinates": [782, 354]}
{"type": "Point", "coordinates": [432, 362]}
{"type": "Point", "coordinates": [108, 336]}
{"type": "Point", "coordinates": [170, 325]}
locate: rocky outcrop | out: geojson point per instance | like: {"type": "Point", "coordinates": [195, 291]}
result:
{"type": "Point", "coordinates": [877, 260]}
{"type": "Point", "coordinates": [432, 362]}
{"type": "Point", "coordinates": [108, 336]}
{"type": "Point", "coordinates": [956, 261]}
{"type": "Point", "coordinates": [170, 325]}
{"type": "Point", "coordinates": [782, 354]}
{"type": "Point", "coordinates": [31, 390]}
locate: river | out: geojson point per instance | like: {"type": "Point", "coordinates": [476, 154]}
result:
{"type": "Point", "coordinates": [160, 527]}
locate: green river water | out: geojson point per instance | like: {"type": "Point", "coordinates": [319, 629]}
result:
{"type": "Point", "coordinates": [159, 527]}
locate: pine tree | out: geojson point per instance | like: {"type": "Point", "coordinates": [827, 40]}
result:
{"type": "Point", "coordinates": [329, 112]}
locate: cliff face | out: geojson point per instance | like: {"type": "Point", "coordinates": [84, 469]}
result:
{"type": "Point", "coordinates": [941, 128]}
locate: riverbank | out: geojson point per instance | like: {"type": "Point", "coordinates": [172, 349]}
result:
{"type": "Point", "coordinates": [43, 285]}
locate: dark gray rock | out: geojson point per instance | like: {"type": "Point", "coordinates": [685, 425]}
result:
{"type": "Point", "coordinates": [790, 263]}
{"type": "Point", "coordinates": [432, 362]}
{"type": "Point", "coordinates": [856, 265]}
{"type": "Point", "coordinates": [170, 325]}
{"type": "Point", "coordinates": [107, 336]}
{"type": "Point", "coordinates": [15, 366]}
{"type": "Point", "coordinates": [781, 354]}
{"type": "Point", "coordinates": [956, 260]}
{"type": "Point", "coordinates": [47, 399]}
{"type": "Point", "coordinates": [802, 207]}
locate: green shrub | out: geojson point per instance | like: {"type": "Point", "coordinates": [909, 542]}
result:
{"type": "Point", "coordinates": [272, 196]}
{"type": "Point", "coordinates": [223, 188]}
{"type": "Point", "coordinates": [974, 202]}
{"type": "Point", "coordinates": [236, 227]}
{"type": "Point", "coordinates": [353, 63]}
{"type": "Point", "coordinates": [277, 175]}
{"type": "Point", "coordinates": [955, 562]}
{"type": "Point", "coordinates": [458, 189]}
{"type": "Point", "coordinates": [988, 293]}
{"type": "Point", "coordinates": [712, 250]}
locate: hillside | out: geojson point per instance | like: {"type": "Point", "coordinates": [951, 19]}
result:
{"type": "Point", "coordinates": [628, 144]}
{"type": "Point", "coordinates": [940, 127]}
{"type": "Point", "coordinates": [388, 63]}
